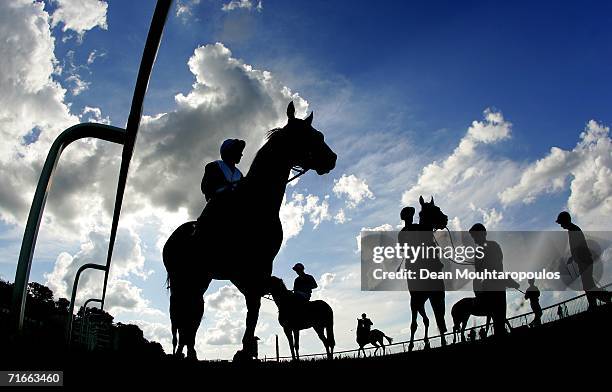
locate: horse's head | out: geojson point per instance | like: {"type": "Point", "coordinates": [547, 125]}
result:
{"type": "Point", "coordinates": [306, 146]}
{"type": "Point", "coordinates": [276, 286]}
{"type": "Point", "coordinates": [431, 214]}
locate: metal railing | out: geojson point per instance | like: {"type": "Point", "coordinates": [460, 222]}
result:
{"type": "Point", "coordinates": [550, 313]}
{"type": "Point", "coordinates": [126, 137]}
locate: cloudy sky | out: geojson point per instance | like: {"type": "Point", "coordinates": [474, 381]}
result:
{"type": "Point", "coordinates": [502, 112]}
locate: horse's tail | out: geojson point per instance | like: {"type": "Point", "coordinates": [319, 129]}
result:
{"type": "Point", "coordinates": [390, 340]}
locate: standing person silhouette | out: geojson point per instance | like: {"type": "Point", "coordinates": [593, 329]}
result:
{"type": "Point", "coordinates": [491, 293]}
{"type": "Point", "coordinates": [222, 176]}
{"type": "Point", "coordinates": [533, 295]}
{"type": "Point", "coordinates": [472, 335]}
{"type": "Point", "coordinates": [482, 333]}
{"type": "Point", "coordinates": [304, 283]}
{"type": "Point", "coordinates": [581, 255]}
{"type": "Point", "coordinates": [407, 215]}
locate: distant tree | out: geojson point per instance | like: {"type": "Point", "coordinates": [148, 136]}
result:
{"type": "Point", "coordinates": [40, 293]}
{"type": "Point", "coordinates": [62, 305]}
{"type": "Point", "coordinates": [39, 303]}
{"type": "Point", "coordinates": [6, 293]}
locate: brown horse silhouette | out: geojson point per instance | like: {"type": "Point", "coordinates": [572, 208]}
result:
{"type": "Point", "coordinates": [249, 216]}
{"type": "Point", "coordinates": [295, 314]}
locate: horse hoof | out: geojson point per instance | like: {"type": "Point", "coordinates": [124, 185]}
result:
{"type": "Point", "coordinates": [192, 356]}
{"type": "Point", "coordinates": [242, 356]}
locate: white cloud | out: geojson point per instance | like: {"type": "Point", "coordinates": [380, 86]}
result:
{"type": "Point", "coordinates": [128, 262]}
{"type": "Point", "coordinates": [225, 331]}
{"type": "Point", "coordinates": [80, 15]}
{"type": "Point", "coordinates": [588, 166]}
{"type": "Point", "coordinates": [78, 85]}
{"type": "Point", "coordinates": [229, 99]}
{"type": "Point", "coordinates": [383, 227]}
{"type": "Point", "coordinates": [326, 280]}
{"type": "Point", "coordinates": [340, 217]}
{"type": "Point", "coordinates": [92, 114]}
{"type": "Point", "coordinates": [184, 8]}
{"type": "Point", "coordinates": [294, 211]}
{"type": "Point", "coordinates": [227, 299]}
{"type": "Point", "coordinates": [32, 108]}
{"type": "Point", "coordinates": [242, 4]}
{"type": "Point", "coordinates": [458, 181]}
{"type": "Point", "coordinates": [93, 55]}
{"type": "Point", "coordinates": [355, 189]}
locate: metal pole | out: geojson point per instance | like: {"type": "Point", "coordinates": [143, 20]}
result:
{"type": "Point", "coordinates": [277, 356]}
{"type": "Point", "coordinates": [142, 82]}
{"type": "Point", "coordinates": [22, 274]}
{"type": "Point", "coordinates": [75, 285]}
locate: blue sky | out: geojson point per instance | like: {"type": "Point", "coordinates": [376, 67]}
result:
{"type": "Point", "coordinates": [399, 89]}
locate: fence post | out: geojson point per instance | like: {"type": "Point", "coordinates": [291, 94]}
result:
{"type": "Point", "coordinates": [277, 356]}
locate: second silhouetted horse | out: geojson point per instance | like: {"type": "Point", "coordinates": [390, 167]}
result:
{"type": "Point", "coordinates": [374, 337]}
{"type": "Point", "coordinates": [295, 314]}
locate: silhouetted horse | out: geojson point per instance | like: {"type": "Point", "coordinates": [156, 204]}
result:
{"type": "Point", "coordinates": [431, 218]}
{"type": "Point", "coordinates": [295, 314]}
{"type": "Point", "coordinates": [374, 337]}
{"type": "Point", "coordinates": [248, 218]}
{"type": "Point", "coordinates": [461, 312]}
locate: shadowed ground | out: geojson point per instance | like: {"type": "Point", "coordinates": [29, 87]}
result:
{"type": "Point", "coordinates": [575, 347]}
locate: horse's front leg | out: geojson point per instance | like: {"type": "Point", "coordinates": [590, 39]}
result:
{"type": "Point", "coordinates": [289, 335]}
{"type": "Point", "coordinates": [296, 340]}
{"type": "Point", "coordinates": [253, 303]}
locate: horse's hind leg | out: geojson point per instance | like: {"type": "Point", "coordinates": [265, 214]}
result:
{"type": "Point", "coordinates": [193, 325]}
{"type": "Point", "coordinates": [439, 309]}
{"type": "Point", "coordinates": [321, 335]}
{"type": "Point", "coordinates": [423, 314]}
{"type": "Point", "coordinates": [375, 344]}
{"type": "Point", "coordinates": [296, 341]}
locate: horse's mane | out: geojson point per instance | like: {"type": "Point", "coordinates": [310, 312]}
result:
{"type": "Point", "coordinates": [272, 132]}
{"type": "Point", "coordinates": [282, 283]}
{"type": "Point", "coordinates": [270, 136]}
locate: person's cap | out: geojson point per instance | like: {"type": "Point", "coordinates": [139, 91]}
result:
{"type": "Point", "coordinates": [564, 217]}
{"type": "Point", "coordinates": [298, 267]}
{"type": "Point", "coordinates": [407, 212]}
{"type": "Point", "coordinates": [232, 144]}
{"type": "Point", "coordinates": [478, 227]}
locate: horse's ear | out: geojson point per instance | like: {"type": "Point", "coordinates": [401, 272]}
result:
{"type": "Point", "coordinates": [309, 118]}
{"type": "Point", "coordinates": [432, 201]}
{"type": "Point", "coordinates": [291, 111]}
{"type": "Point", "coordinates": [421, 200]}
